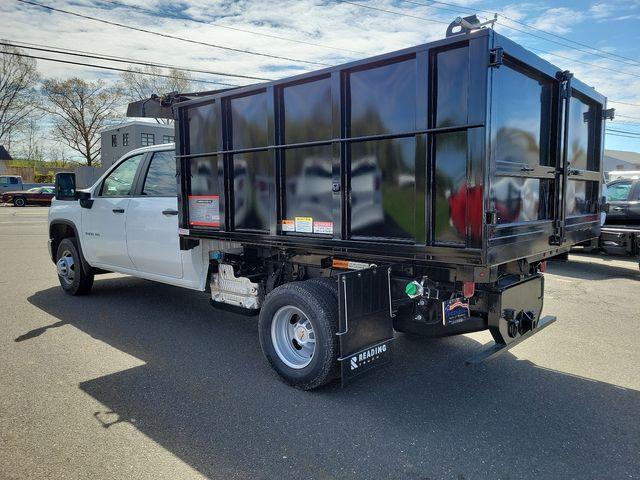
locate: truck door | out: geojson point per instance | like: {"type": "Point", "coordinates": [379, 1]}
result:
{"type": "Point", "coordinates": [152, 219]}
{"type": "Point", "coordinates": [579, 169]}
{"type": "Point", "coordinates": [103, 225]}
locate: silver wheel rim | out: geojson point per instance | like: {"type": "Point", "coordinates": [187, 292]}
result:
{"type": "Point", "coordinates": [293, 337]}
{"type": "Point", "coordinates": [19, 202]}
{"type": "Point", "coordinates": [66, 267]}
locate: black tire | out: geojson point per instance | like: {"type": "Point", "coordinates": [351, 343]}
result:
{"type": "Point", "coordinates": [19, 202]}
{"type": "Point", "coordinates": [319, 304]}
{"type": "Point", "coordinates": [330, 284]}
{"type": "Point", "coordinates": [78, 282]}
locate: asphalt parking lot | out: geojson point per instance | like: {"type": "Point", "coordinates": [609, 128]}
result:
{"type": "Point", "coordinates": [141, 380]}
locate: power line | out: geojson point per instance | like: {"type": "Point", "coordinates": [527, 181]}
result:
{"type": "Point", "coordinates": [386, 11]}
{"type": "Point", "coordinates": [104, 67]}
{"type": "Point", "coordinates": [173, 37]}
{"type": "Point", "coordinates": [623, 136]}
{"type": "Point", "coordinates": [622, 131]}
{"type": "Point", "coordinates": [532, 27]}
{"type": "Point", "coordinates": [237, 29]}
{"type": "Point", "coordinates": [513, 28]}
{"type": "Point", "coordinates": [79, 53]}
{"type": "Point", "coordinates": [625, 103]}
{"type": "Point", "coordinates": [627, 116]}
{"type": "Point", "coordinates": [584, 63]}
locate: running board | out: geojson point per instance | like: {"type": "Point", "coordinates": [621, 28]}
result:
{"type": "Point", "coordinates": [492, 351]}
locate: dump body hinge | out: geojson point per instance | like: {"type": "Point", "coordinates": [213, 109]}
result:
{"type": "Point", "coordinates": [609, 114]}
{"type": "Point", "coordinates": [496, 57]}
{"type": "Point", "coordinates": [565, 83]}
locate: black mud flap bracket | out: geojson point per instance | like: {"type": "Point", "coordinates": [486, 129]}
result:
{"type": "Point", "coordinates": [365, 328]}
{"type": "Point", "coordinates": [514, 316]}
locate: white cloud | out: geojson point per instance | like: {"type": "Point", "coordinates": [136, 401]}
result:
{"type": "Point", "coordinates": [363, 31]}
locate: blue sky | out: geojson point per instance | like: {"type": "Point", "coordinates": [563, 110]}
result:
{"type": "Point", "coordinates": [342, 32]}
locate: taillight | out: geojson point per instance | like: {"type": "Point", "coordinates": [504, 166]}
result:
{"type": "Point", "coordinates": [468, 289]}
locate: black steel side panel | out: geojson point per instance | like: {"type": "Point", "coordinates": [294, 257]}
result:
{"type": "Point", "coordinates": [365, 317]}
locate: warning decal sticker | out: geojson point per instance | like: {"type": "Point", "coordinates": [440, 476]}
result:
{"type": "Point", "coordinates": [304, 224]}
{"type": "Point", "coordinates": [288, 226]}
{"type": "Point", "coordinates": [323, 227]}
{"type": "Point", "coordinates": [204, 210]}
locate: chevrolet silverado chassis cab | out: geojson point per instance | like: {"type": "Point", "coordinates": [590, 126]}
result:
{"type": "Point", "coordinates": [420, 191]}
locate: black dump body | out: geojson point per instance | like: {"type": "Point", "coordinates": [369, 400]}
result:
{"type": "Point", "coordinates": [470, 151]}
{"type": "Point", "coordinates": [430, 184]}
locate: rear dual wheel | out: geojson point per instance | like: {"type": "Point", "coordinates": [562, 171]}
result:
{"type": "Point", "coordinates": [297, 329]}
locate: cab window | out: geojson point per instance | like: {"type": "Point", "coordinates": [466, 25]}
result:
{"type": "Point", "coordinates": [119, 183]}
{"type": "Point", "coordinates": [161, 175]}
{"type": "Point", "coordinates": [618, 192]}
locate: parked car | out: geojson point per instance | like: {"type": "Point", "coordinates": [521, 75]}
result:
{"type": "Point", "coordinates": [623, 197]}
{"type": "Point", "coordinates": [33, 196]}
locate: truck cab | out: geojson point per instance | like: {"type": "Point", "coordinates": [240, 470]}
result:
{"type": "Point", "coordinates": [10, 182]}
{"type": "Point", "coordinates": [126, 222]}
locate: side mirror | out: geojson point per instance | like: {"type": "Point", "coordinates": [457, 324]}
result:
{"type": "Point", "coordinates": [66, 186]}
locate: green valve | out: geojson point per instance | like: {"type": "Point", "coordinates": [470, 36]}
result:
{"type": "Point", "coordinates": [413, 289]}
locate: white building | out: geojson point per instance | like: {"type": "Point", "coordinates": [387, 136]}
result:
{"type": "Point", "coordinates": [120, 139]}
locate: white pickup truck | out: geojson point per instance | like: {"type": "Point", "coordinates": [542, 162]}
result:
{"type": "Point", "coordinates": [127, 222]}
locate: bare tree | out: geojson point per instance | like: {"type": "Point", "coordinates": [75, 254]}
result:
{"type": "Point", "coordinates": [18, 78]}
{"type": "Point", "coordinates": [140, 84]}
{"type": "Point", "coordinates": [80, 109]}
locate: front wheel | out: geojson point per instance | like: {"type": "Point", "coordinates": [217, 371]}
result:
{"type": "Point", "coordinates": [297, 329]}
{"type": "Point", "coordinates": [19, 202]}
{"type": "Point", "coordinates": [72, 276]}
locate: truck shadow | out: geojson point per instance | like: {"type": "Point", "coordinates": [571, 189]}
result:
{"type": "Point", "coordinates": [206, 394]}
{"type": "Point", "coordinates": [594, 266]}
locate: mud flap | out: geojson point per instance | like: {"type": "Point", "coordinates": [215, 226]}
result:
{"type": "Point", "coordinates": [365, 324]}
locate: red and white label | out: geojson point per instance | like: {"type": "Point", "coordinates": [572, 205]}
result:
{"type": "Point", "coordinates": [323, 227]}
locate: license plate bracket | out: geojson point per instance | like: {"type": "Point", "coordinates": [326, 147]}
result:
{"type": "Point", "coordinates": [455, 310]}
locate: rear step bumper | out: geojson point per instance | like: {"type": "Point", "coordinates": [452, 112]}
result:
{"type": "Point", "coordinates": [493, 350]}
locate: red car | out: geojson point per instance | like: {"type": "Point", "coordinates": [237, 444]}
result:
{"type": "Point", "coordinates": [33, 196]}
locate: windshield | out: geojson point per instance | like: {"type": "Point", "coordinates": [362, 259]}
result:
{"type": "Point", "coordinates": [34, 189]}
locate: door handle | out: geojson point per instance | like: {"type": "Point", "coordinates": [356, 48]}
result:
{"type": "Point", "coordinates": [169, 212]}
{"type": "Point", "coordinates": [118, 210]}
{"type": "Point", "coordinates": [527, 168]}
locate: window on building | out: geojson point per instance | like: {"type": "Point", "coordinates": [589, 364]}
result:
{"type": "Point", "coordinates": [114, 140]}
{"type": "Point", "coordinates": [168, 138]}
{"type": "Point", "coordinates": [125, 139]}
{"type": "Point", "coordinates": [148, 139]}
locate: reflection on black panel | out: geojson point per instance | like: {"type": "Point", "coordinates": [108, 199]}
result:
{"type": "Point", "coordinates": [582, 119]}
{"type": "Point", "coordinates": [203, 134]}
{"type": "Point", "coordinates": [452, 68]}
{"type": "Point", "coordinates": [307, 111]}
{"type": "Point", "coordinates": [383, 99]}
{"type": "Point", "coordinates": [523, 105]}
{"type": "Point", "coordinates": [308, 183]}
{"type": "Point", "coordinates": [205, 172]}
{"type": "Point", "coordinates": [383, 193]}
{"type": "Point", "coordinates": [253, 173]}
{"type": "Point", "coordinates": [451, 190]}
{"type": "Point", "coordinates": [582, 197]}
{"type": "Point", "coordinates": [249, 121]}
{"type": "Point", "coordinates": [522, 199]}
